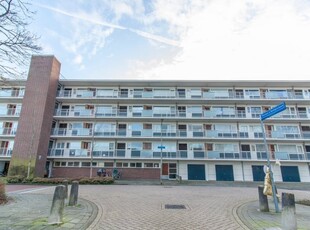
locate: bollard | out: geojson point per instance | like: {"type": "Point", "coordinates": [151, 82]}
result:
{"type": "Point", "coordinates": [65, 182]}
{"type": "Point", "coordinates": [263, 200]}
{"type": "Point", "coordinates": [57, 209]}
{"type": "Point", "coordinates": [288, 221]}
{"type": "Point", "coordinates": [74, 193]}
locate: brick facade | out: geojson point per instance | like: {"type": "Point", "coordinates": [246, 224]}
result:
{"type": "Point", "coordinates": [126, 173]}
{"type": "Point", "coordinates": [34, 125]}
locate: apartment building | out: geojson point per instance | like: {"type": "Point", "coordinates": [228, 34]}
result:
{"type": "Point", "coordinates": [199, 130]}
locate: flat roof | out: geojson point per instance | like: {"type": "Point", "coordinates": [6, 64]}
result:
{"type": "Point", "coordinates": [175, 83]}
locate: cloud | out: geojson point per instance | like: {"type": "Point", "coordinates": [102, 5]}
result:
{"type": "Point", "coordinates": [246, 40]}
{"type": "Point", "coordinates": [90, 19]}
{"type": "Point", "coordinates": [78, 59]}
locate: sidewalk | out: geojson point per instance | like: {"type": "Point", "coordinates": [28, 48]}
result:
{"type": "Point", "coordinates": [141, 205]}
{"type": "Point", "coordinates": [31, 211]}
{"type": "Point", "coordinates": [250, 215]}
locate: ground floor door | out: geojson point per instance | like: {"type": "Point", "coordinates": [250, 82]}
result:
{"type": "Point", "coordinates": [169, 171]}
{"type": "Point", "coordinates": [165, 171]}
{"type": "Point", "coordinates": [196, 172]}
{"type": "Point", "coordinates": [224, 172]}
{"type": "Point", "coordinates": [290, 174]}
{"type": "Point", "coordinates": [258, 172]}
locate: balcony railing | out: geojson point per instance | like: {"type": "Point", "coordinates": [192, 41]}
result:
{"type": "Point", "coordinates": [11, 93]}
{"type": "Point", "coordinates": [113, 93]}
{"type": "Point", "coordinates": [151, 113]}
{"type": "Point", "coordinates": [171, 133]}
{"type": "Point", "coordinates": [5, 152]}
{"type": "Point", "coordinates": [7, 131]}
{"type": "Point", "coordinates": [179, 154]}
{"type": "Point", "coordinates": [10, 112]}
{"type": "Point", "coordinates": [289, 156]}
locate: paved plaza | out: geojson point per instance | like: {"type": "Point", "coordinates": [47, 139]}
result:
{"type": "Point", "coordinates": [145, 207]}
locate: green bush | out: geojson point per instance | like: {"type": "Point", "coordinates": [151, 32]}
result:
{"type": "Point", "coordinates": [40, 180]}
{"type": "Point", "coordinates": [81, 180]}
{"type": "Point", "coordinates": [15, 179]}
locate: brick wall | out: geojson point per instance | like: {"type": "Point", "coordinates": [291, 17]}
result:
{"type": "Point", "coordinates": [126, 173]}
{"type": "Point", "coordinates": [35, 121]}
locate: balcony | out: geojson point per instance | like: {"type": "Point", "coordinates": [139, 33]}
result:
{"type": "Point", "coordinates": [9, 93]}
{"type": "Point", "coordinates": [7, 131]}
{"type": "Point", "coordinates": [228, 155]}
{"type": "Point", "coordinates": [5, 152]}
{"type": "Point", "coordinates": [289, 156]}
{"type": "Point", "coordinates": [170, 133]}
{"type": "Point", "coordinates": [10, 112]}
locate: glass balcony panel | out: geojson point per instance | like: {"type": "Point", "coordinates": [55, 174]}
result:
{"type": "Point", "coordinates": [146, 153]}
{"type": "Point", "coordinates": [213, 154]}
{"type": "Point", "coordinates": [135, 153]}
{"type": "Point", "coordinates": [183, 153]}
{"type": "Point", "coordinates": [261, 155]}
{"type": "Point", "coordinates": [199, 154]}
{"type": "Point", "coordinates": [120, 153]}
{"type": "Point", "coordinates": [306, 134]}
{"type": "Point", "coordinates": [246, 155]}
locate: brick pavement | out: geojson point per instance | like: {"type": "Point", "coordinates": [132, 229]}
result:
{"type": "Point", "coordinates": [143, 207]}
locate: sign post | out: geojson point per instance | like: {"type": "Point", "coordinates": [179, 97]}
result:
{"type": "Point", "coordinates": [279, 108]}
{"type": "Point", "coordinates": [161, 147]}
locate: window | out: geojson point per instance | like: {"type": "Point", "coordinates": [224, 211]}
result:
{"type": "Point", "coordinates": [85, 164]}
{"type": "Point", "coordinates": [74, 164]}
{"type": "Point", "coordinates": [57, 164]}
{"type": "Point", "coordinates": [108, 164]}
{"type": "Point", "coordinates": [148, 165]}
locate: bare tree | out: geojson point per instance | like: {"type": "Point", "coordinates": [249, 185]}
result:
{"type": "Point", "coordinates": [17, 43]}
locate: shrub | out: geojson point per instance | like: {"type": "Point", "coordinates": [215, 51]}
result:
{"type": "Point", "coordinates": [81, 180]}
{"type": "Point", "coordinates": [3, 197]}
{"type": "Point", "coordinates": [15, 179]}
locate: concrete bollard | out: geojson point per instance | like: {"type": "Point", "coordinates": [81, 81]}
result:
{"type": "Point", "coordinates": [288, 221]}
{"type": "Point", "coordinates": [74, 193]}
{"type": "Point", "coordinates": [65, 182]}
{"type": "Point", "coordinates": [263, 200]}
{"type": "Point", "coordinates": [57, 209]}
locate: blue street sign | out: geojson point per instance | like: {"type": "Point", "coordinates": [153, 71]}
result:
{"type": "Point", "coordinates": [279, 108]}
{"type": "Point", "coordinates": [161, 147]}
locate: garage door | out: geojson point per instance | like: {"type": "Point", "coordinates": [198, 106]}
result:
{"type": "Point", "coordinates": [196, 172]}
{"type": "Point", "coordinates": [258, 172]}
{"type": "Point", "coordinates": [290, 174]}
{"type": "Point", "coordinates": [224, 172]}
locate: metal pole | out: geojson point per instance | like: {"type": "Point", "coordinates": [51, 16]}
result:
{"type": "Point", "coordinates": [92, 146]}
{"type": "Point", "coordinates": [161, 150]}
{"type": "Point", "coordinates": [275, 199]}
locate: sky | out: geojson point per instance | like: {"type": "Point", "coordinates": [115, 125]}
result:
{"type": "Point", "coordinates": [176, 39]}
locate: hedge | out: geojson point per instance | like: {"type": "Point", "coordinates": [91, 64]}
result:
{"type": "Point", "coordinates": [40, 180]}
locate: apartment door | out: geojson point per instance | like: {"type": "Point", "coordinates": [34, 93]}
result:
{"type": "Point", "coordinates": [196, 172]}
{"type": "Point", "coordinates": [258, 172]}
{"type": "Point", "coordinates": [165, 171]}
{"type": "Point", "coordinates": [224, 172]}
{"type": "Point", "coordinates": [290, 174]}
